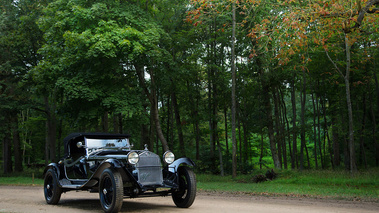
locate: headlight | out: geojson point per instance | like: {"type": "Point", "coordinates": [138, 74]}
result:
{"type": "Point", "coordinates": [133, 158]}
{"type": "Point", "coordinates": [168, 157]}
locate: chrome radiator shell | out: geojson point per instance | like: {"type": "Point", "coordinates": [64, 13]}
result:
{"type": "Point", "coordinates": [149, 169]}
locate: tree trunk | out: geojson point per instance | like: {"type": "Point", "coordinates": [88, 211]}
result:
{"type": "Point", "coordinates": [345, 143]}
{"type": "Point", "coordinates": [178, 123]}
{"type": "Point", "coordinates": [220, 157]}
{"type": "Point", "coordinates": [239, 144]}
{"type": "Point", "coordinates": [211, 126]}
{"type": "Point", "coordinates": [319, 131]}
{"type": "Point", "coordinates": [294, 162]}
{"type": "Point", "coordinates": [314, 131]}
{"type": "Point", "coordinates": [197, 132]}
{"type": "Point", "coordinates": [234, 142]}
{"type": "Point", "coordinates": [211, 84]}
{"type": "Point", "coordinates": [47, 144]}
{"type": "Point", "coordinates": [361, 133]}
{"type": "Point", "coordinates": [326, 133]}
{"type": "Point", "coordinates": [353, 167]}
{"type": "Point", "coordinates": [153, 101]}
{"type": "Point", "coordinates": [16, 143]}
{"type": "Point", "coordinates": [7, 154]}
{"type": "Point", "coordinates": [261, 154]}
{"type": "Point", "coordinates": [51, 131]}
{"type": "Point", "coordinates": [169, 130]}
{"type": "Point", "coordinates": [376, 143]}
{"type": "Point", "coordinates": [115, 123]}
{"type": "Point", "coordinates": [120, 123]}
{"type": "Point", "coordinates": [335, 133]}
{"type": "Point", "coordinates": [105, 122]}
{"type": "Point", "coordinates": [278, 137]}
{"type": "Point", "coordinates": [195, 116]}
{"type": "Point", "coordinates": [226, 131]}
{"type": "Point", "coordinates": [302, 134]}
{"type": "Point", "coordinates": [285, 132]}
{"type": "Point", "coordinates": [152, 133]}
{"type": "Point", "coordinates": [145, 131]}
{"type": "Point", "coordinates": [270, 125]}
{"type": "Point", "coordinates": [214, 108]}
{"type": "Point", "coordinates": [245, 145]}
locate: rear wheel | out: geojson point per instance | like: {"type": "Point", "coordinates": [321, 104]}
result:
{"type": "Point", "coordinates": [111, 191]}
{"type": "Point", "coordinates": [185, 196]}
{"type": "Point", "coordinates": [51, 189]}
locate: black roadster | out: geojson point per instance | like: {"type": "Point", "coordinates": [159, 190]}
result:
{"type": "Point", "coordinates": [108, 165]}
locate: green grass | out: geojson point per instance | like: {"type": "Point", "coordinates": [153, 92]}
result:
{"type": "Point", "coordinates": [20, 181]}
{"type": "Point", "coordinates": [315, 184]}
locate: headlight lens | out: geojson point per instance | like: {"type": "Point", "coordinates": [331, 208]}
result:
{"type": "Point", "coordinates": [168, 157]}
{"type": "Point", "coordinates": [133, 158]}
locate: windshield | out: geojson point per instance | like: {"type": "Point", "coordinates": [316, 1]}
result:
{"type": "Point", "coordinates": [106, 143]}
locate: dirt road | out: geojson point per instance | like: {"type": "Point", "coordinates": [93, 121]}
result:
{"type": "Point", "coordinates": [30, 199]}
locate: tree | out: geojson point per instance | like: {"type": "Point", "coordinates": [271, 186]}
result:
{"type": "Point", "coordinates": [90, 44]}
{"type": "Point", "coordinates": [20, 39]}
{"type": "Point", "coordinates": [320, 22]}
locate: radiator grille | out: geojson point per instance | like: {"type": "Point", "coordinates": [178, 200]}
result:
{"type": "Point", "coordinates": [149, 169]}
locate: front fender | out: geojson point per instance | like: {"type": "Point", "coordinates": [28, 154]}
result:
{"type": "Point", "coordinates": [175, 165]}
{"type": "Point", "coordinates": [113, 163]}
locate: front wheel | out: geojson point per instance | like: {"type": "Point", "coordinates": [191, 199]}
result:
{"type": "Point", "coordinates": [111, 191]}
{"type": "Point", "coordinates": [51, 189]}
{"type": "Point", "coordinates": [185, 196]}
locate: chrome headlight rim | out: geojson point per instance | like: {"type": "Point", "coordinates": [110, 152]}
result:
{"type": "Point", "coordinates": [133, 158]}
{"type": "Point", "coordinates": [168, 157]}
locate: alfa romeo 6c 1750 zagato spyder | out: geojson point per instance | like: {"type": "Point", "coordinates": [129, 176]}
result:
{"type": "Point", "coordinates": [107, 164]}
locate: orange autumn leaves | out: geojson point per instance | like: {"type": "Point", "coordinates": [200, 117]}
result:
{"type": "Point", "coordinates": [283, 28]}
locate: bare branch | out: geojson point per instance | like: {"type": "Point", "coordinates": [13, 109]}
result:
{"type": "Point", "coordinates": [365, 10]}
{"type": "Point", "coordinates": [334, 64]}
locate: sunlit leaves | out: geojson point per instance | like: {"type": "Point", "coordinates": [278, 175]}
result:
{"type": "Point", "coordinates": [88, 47]}
{"type": "Point", "coordinates": [306, 24]}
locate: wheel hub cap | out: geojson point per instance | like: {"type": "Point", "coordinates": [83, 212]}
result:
{"type": "Point", "coordinates": [105, 191]}
{"type": "Point", "coordinates": [48, 186]}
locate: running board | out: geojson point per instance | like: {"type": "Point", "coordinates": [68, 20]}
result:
{"type": "Point", "coordinates": [67, 184]}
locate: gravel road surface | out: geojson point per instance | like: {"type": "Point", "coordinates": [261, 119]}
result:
{"type": "Point", "coordinates": [29, 199]}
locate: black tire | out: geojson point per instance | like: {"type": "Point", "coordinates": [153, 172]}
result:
{"type": "Point", "coordinates": [185, 196]}
{"type": "Point", "coordinates": [51, 189]}
{"type": "Point", "coordinates": [111, 191]}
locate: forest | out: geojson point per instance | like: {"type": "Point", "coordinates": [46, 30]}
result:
{"type": "Point", "coordinates": [236, 85]}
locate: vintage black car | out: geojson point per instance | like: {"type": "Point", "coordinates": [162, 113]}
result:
{"type": "Point", "coordinates": [108, 165]}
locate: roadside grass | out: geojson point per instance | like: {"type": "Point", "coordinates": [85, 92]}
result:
{"type": "Point", "coordinates": [21, 181]}
{"type": "Point", "coordinates": [327, 184]}
{"type": "Point", "coordinates": [314, 184]}
{"type": "Point", "coordinates": [28, 177]}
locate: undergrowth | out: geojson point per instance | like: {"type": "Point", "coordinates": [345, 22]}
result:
{"type": "Point", "coordinates": [363, 185]}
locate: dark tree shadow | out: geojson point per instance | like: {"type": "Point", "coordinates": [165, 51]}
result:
{"type": "Point", "coordinates": [128, 205]}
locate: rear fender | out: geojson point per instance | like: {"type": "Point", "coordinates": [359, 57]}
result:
{"type": "Point", "coordinates": [175, 165]}
{"type": "Point", "coordinates": [55, 167]}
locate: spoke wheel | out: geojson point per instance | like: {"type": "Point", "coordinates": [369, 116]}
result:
{"type": "Point", "coordinates": [111, 191]}
{"type": "Point", "coordinates": [51, 189]}
{"type": "Point", "coordinates": [185, 196]}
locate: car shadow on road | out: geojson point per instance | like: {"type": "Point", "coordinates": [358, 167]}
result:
{"type": "Point", "coordinates": [127, 206]}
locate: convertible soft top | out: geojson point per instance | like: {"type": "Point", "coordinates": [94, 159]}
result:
{"type": "Point", "coordinates": [79, 136]}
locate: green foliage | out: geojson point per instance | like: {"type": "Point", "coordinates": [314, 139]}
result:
{"type": "Point", "coordinates": [72, 63]}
